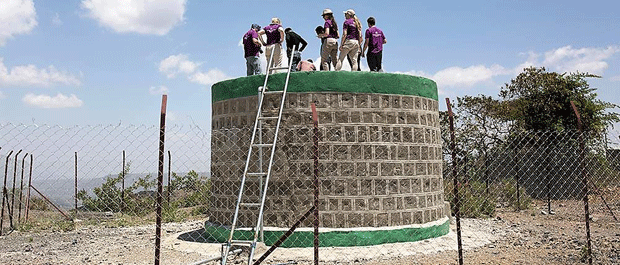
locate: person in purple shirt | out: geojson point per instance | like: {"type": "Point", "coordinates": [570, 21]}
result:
{"type": "Point", "coordinates": [374, 43]}
{"type": "Point", "coordinates": [330, 44]}
{"type": "Point", "coordinates": [351, 39]}
{"type": "Point", "coordinates": [251, 48]}
{"type": "Point", "coordinates": [275, 37]}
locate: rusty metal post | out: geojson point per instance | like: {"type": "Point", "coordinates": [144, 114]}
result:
{"type": "Point", "coordinates": [315, 119]}
{"type": "Point", "coordinates": [12, 206]}
{"type": "Point", "coordinates": [160, 177]}
{"type": "Point", "coordinates": [169, 166]}
{"type": "Point", "coordinates": [5, 195]}
{"type": "Point", "coordinates": [75, 186]}
{"type": "Point", "coordinates": [123, 185]}
{"type": "Point", "coordinates": [285, 236]}
{"type": "Point", "coordinates": [21, 191]}
{"type": "Point", "coordinates": [51, 203]}
{"type": "Point", "coordinates": [457, 202]}
{"type": "Point", "coordinates": [29, 185]}
{"type": "Point", "coordinates": [585, 181]}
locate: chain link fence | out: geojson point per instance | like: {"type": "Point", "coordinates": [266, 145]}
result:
{"type": "Point", "coordinates": [521, 200]}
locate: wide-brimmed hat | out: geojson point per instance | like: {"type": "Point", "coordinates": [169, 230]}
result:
{"type": "Point", "coordinates": [350, 12]}
{"type": "Point", "coordinates": [256, 26]}
{"type": "Point", "coordinates": [327, 11]}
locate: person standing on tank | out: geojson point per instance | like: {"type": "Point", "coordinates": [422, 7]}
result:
{"type": "Point", "coordinates": [374, 43]}
{"type": "Point", "coordinates": [351, 36]}
{"type": "Point", "coordinates": [295, 44]}
{"type": "Point", "coordinates": [275, 37]}
{"type": "Point", "coordinates": [330, 46]}
{"type": "Point", "coordinates": [251, 48]}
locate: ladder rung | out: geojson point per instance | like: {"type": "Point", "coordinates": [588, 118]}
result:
{"type": "Point", "coordinates": [273, 92]}
{"type": "Point", "coordinates": [241, 242]}
{"type": "Point", "coordinates": [257, 174]}
{"type": "Point", "coordinates": [247, 204]}
{"type": "Point", "coordinates": [267, 118]}
{"type": "Point", "coordinates": [262, 145]}
{"type": "Point", "coordinates": [278, 68]}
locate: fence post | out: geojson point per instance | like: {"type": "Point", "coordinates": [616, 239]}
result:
{"type": "Point", "coordinates": [76, 184]}
{"type": "Point", "coordinates": [160, 177]}
{"type": "Point", "coordinates": [4, 190]}
{"type": "Point", "coordinates": [457, 203]}
{"type": "Point", "coordinates": [12, 206]}
{"type": "Point", "coordinates": [29, 185]}
{"type": "Point", "coordinates": [315, 119]}
{"type": "Point", "coordinates": [21, 191]}
{"type": "Point", "coordinates": [585, 181]}
{"type": "Point", "coordinates": [123, 185]}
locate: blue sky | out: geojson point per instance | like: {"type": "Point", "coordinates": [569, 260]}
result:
{"type": "Point", "coordinates": [79, 62]}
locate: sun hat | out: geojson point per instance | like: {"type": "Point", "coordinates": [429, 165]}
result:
{"type": "Point", "coordinates": [350, 12]}
{"type": "Point", "coordinates": [327, 11]}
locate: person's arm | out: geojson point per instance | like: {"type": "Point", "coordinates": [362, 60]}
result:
{"type": "Point", "coordinates": [344, 37]}
{"type": "Point", "coordinates": [256, 42]}
{"type": "Point", "coordinates": [365, 47]}
{"type": "Point", "coordinates": [281, 34]}
{"type": "Point", "coordinates": [303, 43]}
{"type": "Point", "coordinates": [260, 36]}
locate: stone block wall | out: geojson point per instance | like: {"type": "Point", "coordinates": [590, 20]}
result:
{"type": "Point", "coordinates": [380, 160]}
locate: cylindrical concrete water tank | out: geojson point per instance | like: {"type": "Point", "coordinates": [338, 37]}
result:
{"type": "Point", "coordinates": [380, 151]}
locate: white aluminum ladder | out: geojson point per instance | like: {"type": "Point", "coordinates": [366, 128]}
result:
{"type": "Point", "coordinates": [257, 143]}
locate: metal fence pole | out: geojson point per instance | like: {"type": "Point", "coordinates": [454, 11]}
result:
{"type": "Point", "coordinates": [457, 203]}
{"type": "Point", "coordinates": [585, 181]}
{"type": "Point", "coordinates": [12, 206]}
{"type": "Point", "coordinates": [315, 119]}
{"type": "Point", "coordinates": [123, 185]}
{"type": "Point", "coordinates": [160, 177]}
{"type": "Point", "coordinates": [29, 185]}
{"type": "Point", "coordinates": [21, 191]}
{"type": "Point", "coordinates": [76, 184]}
{"type": "Point", "coordinates": [5, 194]}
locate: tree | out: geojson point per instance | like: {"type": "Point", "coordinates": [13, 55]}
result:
{"type": "Point", "coordinates": [540, 100]}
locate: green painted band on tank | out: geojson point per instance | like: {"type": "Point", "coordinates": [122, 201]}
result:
{"type": "Point", "coordinates": [351, 238]}
{"type": "Point", "coordinates": [329, 81]}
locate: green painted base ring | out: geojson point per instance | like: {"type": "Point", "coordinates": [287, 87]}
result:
{"type": "Point", "coordinates": [330, 237]}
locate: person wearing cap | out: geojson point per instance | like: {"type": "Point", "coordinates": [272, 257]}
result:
{"type": "Point", "coordinates": [374, 43]}
{"type": "Point", "coordinates": [319, 32]}
{"type": "Point", "coordinates": [293, 42]}
{"type": "Point", "coordinates": [275, 37]}
{"type": "Point", "coordinates": [351, 39]}
{"type": "Point", "coordinates": [251, 48]}
{"type": "Point", "coordinates": [330, 46]}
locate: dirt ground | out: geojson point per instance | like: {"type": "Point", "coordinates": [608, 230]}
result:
{"type": "Point", "coordinates": [525, 237]}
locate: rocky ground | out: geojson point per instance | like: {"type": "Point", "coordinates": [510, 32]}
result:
{"type": "Point", "coordinates": [527, 237]}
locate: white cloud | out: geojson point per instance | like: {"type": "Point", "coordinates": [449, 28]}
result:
{"type": "Point", "coordinates": [2, 96]}
{"type": "Point", "coordinates": [179, 64]}
{"type": "Point", "coordinates": [569, 59]}
{"type": "Point", "coordinates": [564, 59]}
{"type": "Point", "coordinates": [176, 64]}
{"type": "Point", "coordinates": [56, 20]}
{"type": "Point", "coordinates": [30, 75]}
{"type": "Point", "coordinates": [161, 90]}
{"type": "Point", "coordinates": [16, 17]}
{"type": "Point", "coordinates": [211, 77]}
{"type": "Point", "coordinates": [156, 17]}
{"type": "Point", "coordinates": [48, 102]}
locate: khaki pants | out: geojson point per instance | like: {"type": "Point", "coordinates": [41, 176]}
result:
{"type": "Point", "coordinates": [277, 55]}
{"type": "Point", "coordinates": [350, 48]}
{"type": "Point", "coordinates": [330, 48]}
